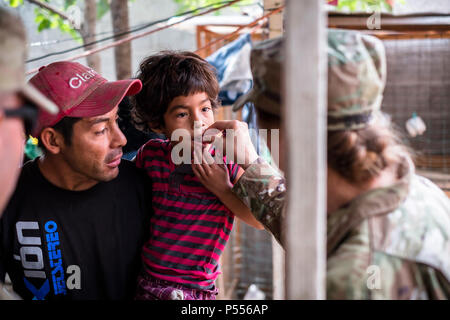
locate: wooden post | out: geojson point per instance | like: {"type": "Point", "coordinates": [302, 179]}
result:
{"type": "Point", "coordinates": [88, 31]}
{"type": "Point", "coordinates": [275, 20]}
{"type": "Point", "coordinates": [278, 256]}
{"type": "Point", "coordinates": [122, 52]}
{"type": "Point", "coordinates": [305, 123]}
{"type": "Point", "coordinates": [278, 267]}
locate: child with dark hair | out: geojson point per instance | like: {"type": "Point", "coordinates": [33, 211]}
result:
{"type": "Point", "coordinates": [194, 207]}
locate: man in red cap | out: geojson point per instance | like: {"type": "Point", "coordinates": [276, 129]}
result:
{"type": "Point", "coordinates": [87, 102]}
{"type": "Point", "coordinates": [76, 222]}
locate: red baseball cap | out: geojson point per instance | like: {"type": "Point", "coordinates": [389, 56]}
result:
{"type": "Point", "coordinates": [79, 91]}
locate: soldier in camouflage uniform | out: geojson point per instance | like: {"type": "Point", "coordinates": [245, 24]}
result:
{"type": "Point", "coordinates": [389, 242]}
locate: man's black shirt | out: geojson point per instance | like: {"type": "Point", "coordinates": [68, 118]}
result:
{"type": "Point", "coordinates": [60, 244]}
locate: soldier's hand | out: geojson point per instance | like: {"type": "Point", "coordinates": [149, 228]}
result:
{"type": "Point", "coordinates": [233, 133]}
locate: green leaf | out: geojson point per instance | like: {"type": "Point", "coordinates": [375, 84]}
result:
{"type": "Point", "coordinates": [363, 5]}
{"type": "Point", "coordinates": [39, 18]}
{"type": "Point", "coordinates": [15, 3]}
{"type": "Point", "coordinates": [54, 24]}
{"type": "Point", "coordinates": [45, 24]}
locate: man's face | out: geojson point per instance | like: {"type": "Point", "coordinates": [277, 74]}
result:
{"type": "Point", "coordinates": [96, 148]}
{"type": "Point", "coordinates": [12, 140]}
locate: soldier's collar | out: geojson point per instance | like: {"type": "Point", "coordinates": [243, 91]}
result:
{"type": "Point", "coordinates": [375, 202]}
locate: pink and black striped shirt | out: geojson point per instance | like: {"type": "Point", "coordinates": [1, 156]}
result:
{"type": "Point", "coordinates": [190, 225]}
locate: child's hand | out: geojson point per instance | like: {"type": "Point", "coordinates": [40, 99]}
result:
{"type": "Point", "coordinates": [213, 176]}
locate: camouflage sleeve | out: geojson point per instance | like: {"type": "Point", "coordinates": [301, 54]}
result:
{"type": "Point", "coordinates": [262, 189]}
{"type": "Point", "coordinates": [354, 272]}
{"type": "Point", "coordinates": [347, 265]}
{"type": "Point", "coordinates": [402, 279]}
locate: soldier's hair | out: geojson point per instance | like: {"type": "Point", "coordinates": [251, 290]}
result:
{"type": "Point", "coordinates": [165, 76]}
{"type": "Point", "coordinates": [361, 155]}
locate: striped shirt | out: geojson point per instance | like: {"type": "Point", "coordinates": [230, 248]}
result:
{"type": "Point", "coordinates": [190, 225]}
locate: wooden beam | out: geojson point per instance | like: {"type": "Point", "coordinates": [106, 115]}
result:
{"type": "Point", "coordinates": [278, 254]}
{"type": "Point", "coordinates": [305, 120]}
{"type": "Point", "coordinates": [393, 23]}
{"type": "Point", "coordinates": [278, 271]}
{"type": "Point", "coordinates": [276, 20]}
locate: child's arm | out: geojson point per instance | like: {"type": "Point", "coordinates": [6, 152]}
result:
{"type": "Point", "coordinates": [215, 178]}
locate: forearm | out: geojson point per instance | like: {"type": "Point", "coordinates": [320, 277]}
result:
{"type": "Point", "coordinates": [262, 189]}
{"type": "Point", "coordinates": [239, 209]}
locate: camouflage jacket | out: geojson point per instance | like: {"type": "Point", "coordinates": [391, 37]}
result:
{"type": "Point", "coordinates": [262, 189]}
{"type": "Point", "coordinates": [389, 243]}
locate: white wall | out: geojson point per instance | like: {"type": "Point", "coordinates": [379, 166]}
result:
{"type": "Point", "coordinates": [140, 11]}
